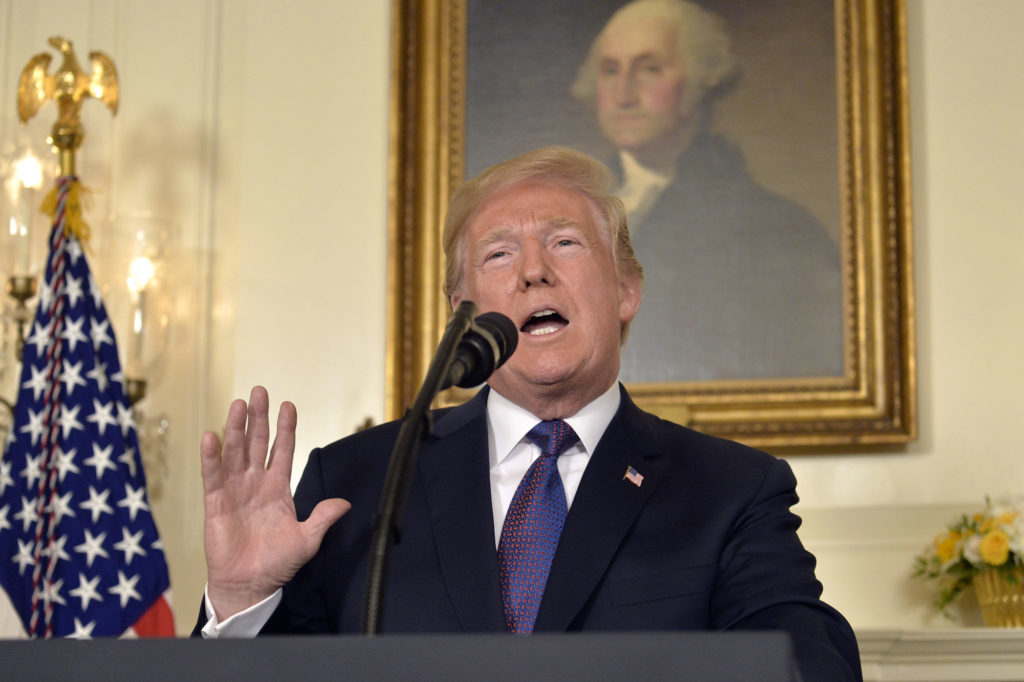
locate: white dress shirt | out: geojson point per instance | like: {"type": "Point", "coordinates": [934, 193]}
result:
{"type": "Point", "coordinates": [511, 454]}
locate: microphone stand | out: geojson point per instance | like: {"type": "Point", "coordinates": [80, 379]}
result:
{"type": "Point", "coordinates": [415, 425]}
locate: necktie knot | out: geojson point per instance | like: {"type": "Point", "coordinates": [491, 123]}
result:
{"type": "Point", "coordinates": [553, 437]}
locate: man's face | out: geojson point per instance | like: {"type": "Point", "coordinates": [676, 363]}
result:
{"type": "Point", "coordinates": [641, 83]}
{"type": "Point", "coordinates": [535, 253]}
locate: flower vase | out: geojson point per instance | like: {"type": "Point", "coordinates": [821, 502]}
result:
{"type": "Point", "coordinates": [1001, 599]}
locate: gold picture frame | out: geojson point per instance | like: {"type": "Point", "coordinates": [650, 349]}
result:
{"type": "Point", "coordinates": [872, 401]}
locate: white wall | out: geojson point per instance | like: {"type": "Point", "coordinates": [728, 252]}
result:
{"type": "Point", "coordinates": [261, 127]}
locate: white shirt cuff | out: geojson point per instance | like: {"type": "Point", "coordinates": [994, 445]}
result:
{"type": "Point", "coordinates": [244, 624]}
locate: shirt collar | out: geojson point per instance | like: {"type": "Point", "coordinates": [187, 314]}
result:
{"type": "Point", "coordinates": [635, 172]}
{"type": "Point", "coordinates": [509, 423]}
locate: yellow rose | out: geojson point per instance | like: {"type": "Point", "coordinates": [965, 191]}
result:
{"type": "Point", "coordinates": [995, 548]}
{"type": "Point", "coordinates": [945, 546]}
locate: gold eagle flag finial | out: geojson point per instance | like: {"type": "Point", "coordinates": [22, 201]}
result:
{"type": "Point", "coordinates": [68, 87]}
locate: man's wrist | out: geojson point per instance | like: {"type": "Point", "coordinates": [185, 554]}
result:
{"type": "Point", "coordinates": [246, 623]}
{"type": "Point", "coordinates": [226, 603]}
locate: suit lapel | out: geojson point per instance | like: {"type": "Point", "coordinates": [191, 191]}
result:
{"type": "Point", "coordinates": [454, 464]}
{"type": "Point", "coordinates": [602, 512]}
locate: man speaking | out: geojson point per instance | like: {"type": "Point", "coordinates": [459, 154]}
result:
{"type": "Point", "coordinates": [549, 501]}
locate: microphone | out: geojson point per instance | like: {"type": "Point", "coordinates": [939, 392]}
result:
{"type": "Point", "coordinates": [469, 351]}
{"type": "Point", "coordinates": [488, 343]}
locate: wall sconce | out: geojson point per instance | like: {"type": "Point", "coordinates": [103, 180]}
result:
{"type": "Point", "coordinates": [26, 172]}
{"type": "Point", "coordinates": [136, 262]}
{"type": "Point", "coordinates": [135, 282]}
{"type": "Point", "coordinates": [140, 275]}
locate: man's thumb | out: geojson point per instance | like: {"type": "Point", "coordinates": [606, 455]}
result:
{"type": "Point", "coordinates": [325, 514]}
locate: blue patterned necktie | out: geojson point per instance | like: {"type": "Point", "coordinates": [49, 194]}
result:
{"type": "Point", "coordinates": [532, 527]}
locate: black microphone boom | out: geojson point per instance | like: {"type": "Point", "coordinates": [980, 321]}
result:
{"type": "Point", "coordinates": [490, 341]}
{"type": "Point", "coordinates": [470, 350]}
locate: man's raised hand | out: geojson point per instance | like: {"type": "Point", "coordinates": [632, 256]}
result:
{"type": "Point", "coordinates": [254, 543]}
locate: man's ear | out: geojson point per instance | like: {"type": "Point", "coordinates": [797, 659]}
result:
{"type": "Point", "coordinates": [631, 291]}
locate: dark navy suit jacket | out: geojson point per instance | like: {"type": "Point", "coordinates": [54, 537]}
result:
{"type": "Point", "coordinates": [706, 542]}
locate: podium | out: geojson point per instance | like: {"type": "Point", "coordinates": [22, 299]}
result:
{"type": "Point", "coordinates": [694, 656]}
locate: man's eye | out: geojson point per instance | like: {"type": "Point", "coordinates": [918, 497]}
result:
{"type": "Point", "coordinates": [565, 242]}
{"type": "Point", "coordinates": [497, 254]}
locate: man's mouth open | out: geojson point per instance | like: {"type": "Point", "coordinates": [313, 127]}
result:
{"type": "Point", "coordinates": [544, 322]}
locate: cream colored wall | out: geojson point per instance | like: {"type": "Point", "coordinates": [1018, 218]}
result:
{"type": "Point", "coordinates": [261, 127]}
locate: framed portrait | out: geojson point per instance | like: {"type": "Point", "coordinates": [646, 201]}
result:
{"type": "Point", "coordinates": [767, 193]}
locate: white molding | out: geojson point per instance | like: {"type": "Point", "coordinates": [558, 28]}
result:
{"type": "Point", "coordinates": [866, 560]}
{"type": "Point", "coordinates": [963, 654]}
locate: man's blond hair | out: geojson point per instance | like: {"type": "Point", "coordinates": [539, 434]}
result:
{"type": "Point", "coordinates": [551, 165]}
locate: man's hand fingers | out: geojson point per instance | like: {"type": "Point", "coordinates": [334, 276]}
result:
{"type": "Point", "coordinates": [233, 452]}
{"type": "Point", "coordinates": [257, 431]}
{"type": "Point", "coordinates": [209, 455]}
{"type": "Point", "coordinates": [283, 450]}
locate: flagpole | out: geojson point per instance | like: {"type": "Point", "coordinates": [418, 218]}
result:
{"type": "Point", "coordinates": [68, 88]}
{"type": "Point", "coordinates": [46, 514]}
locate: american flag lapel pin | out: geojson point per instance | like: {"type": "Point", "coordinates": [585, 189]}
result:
{"type": "Point", "coordinates": [633, 476]}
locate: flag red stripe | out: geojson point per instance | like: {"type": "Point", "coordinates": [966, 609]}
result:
{"type": "Point", "coordinates": [158, 621]}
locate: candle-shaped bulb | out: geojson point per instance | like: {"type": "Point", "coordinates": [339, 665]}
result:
{"type": "Point", "coordinates": [22, 183]}
{"type": "Point", "coordinates": [29, 171]}
{"type": "Point", "coordinates": [140, 272]}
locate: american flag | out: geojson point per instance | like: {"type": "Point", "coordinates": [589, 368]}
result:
{"type": "Point", "coordinates": [633, 476]}
{"type": "Point", "coordinates": [80, 555]}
